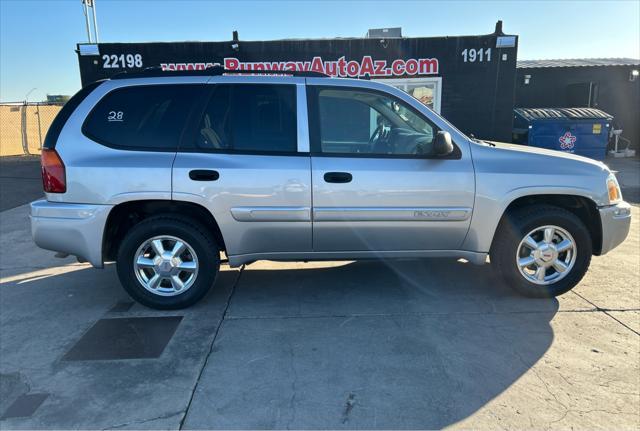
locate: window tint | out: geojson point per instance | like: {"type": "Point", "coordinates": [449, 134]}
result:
{"type": "Point", "coordinates": [142, 117]}
{"type": "Point", "coordinates": [363, 122]}
{"type": "Point", "coordinates": [249, 118]}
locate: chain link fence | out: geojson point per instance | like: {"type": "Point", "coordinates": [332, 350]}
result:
{"type": "Point", "coordinates": [23, 126]}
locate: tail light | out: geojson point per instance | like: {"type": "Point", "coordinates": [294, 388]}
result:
{"type": "Point", "coordinates": [54, 179]}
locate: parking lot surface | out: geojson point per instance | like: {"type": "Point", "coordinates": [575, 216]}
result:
{"type": "Point", "coordinates": [20, 181]}
{"type": "Point", "coordinates": [399, 344]}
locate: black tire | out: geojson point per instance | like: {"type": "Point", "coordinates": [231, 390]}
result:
{"type": "Point", "coordinates": [201, 241]}
{"type": "Point", "coordinates": [518, 223]}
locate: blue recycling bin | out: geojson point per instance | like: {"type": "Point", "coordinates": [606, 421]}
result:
{"type": "Point", "coordinates": [583, 131]}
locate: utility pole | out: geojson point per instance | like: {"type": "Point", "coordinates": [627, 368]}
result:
{"type": "Point", "coordinates": [95, 20]}
{"type": "Point", "coordinates": [85, 9]}
{"type": "Point", "coordinates": [86, 5]}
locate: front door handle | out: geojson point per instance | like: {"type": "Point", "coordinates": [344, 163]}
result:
{"type": "Point", "coordinates": [338, 177]}
{"type": "Point", "coordinates": [203, 175]}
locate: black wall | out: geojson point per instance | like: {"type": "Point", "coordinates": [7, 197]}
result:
{"type": "Point", "coordinates": [556, 87]}
{"type": "Point", "coordinates": [477, 97]}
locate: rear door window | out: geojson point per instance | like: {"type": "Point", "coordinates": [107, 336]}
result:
{"type": "Point", "coordinates": [149, 117]}
{"type": "Point", "coordinates": [249, 118]}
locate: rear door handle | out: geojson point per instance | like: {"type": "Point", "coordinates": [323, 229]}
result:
{"type": "Point", "coordinates": [338, 177]}
{"type": "Point", "coordinates": [203, 175]}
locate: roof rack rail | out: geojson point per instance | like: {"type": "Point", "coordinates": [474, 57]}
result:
{"type": "Point", "coordinates": [219, 70]}
{"type": "Point", "coordinates": [152, 72]}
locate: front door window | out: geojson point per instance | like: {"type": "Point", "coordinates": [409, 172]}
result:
{"type": "Point", "coordinates": [371, 123]}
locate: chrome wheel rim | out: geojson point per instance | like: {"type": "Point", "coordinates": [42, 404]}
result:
{"type": "Point", "coordinates": [166, 265]}
{"type": "Point", "coordinates": [546, 255]}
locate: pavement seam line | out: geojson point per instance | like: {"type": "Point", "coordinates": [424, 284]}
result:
{"type": "Point", "coordinates": [605, 311]}
{"type": "Point", "coordinates": [211, 345]}
{"type": "Point", "coordinates": [143, 421]}
{"type": "Point", "coordinates": [425, 314]}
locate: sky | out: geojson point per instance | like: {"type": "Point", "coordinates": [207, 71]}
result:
{"type": "Point", "coordinates": [37, 38]}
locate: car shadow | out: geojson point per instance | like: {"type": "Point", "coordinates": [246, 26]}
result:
{"type": "Point", "coordinates": [401, 286]}
{"type": "Point", "coordinates": [370, 344]}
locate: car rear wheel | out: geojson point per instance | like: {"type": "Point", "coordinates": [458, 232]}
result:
{"type": "Point", "coordinates": [168, 262]}
{"type": "Point", "coordinates": [542, 250]}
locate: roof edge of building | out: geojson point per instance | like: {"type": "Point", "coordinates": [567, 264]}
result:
{"type": "Point", "coordinates": [578, 62]}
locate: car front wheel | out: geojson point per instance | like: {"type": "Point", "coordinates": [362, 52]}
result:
{"type": "Point", "coordinates": [167, 262]}
{"type": "Point", "coordinates": [542, 250]}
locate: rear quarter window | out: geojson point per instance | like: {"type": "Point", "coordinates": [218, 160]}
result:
{"type": "Point", "coordinates": [51, 138]}
{"type": "Point", "coordinates": [149, 117]}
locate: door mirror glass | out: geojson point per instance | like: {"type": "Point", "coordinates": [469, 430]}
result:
{"type": "Point", "coordinates": [442, 145]}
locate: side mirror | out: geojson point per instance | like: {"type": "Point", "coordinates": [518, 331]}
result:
{"type": "Point", "coordinates": [442, 145]}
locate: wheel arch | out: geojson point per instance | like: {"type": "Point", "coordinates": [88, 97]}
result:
{"type": "Point", "coordinates": [580, 205]}
{"type": "Point", "coordinates": [125, 215]}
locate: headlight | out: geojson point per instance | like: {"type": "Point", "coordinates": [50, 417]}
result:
{"type": "Point", "coordinates": [615, 195]}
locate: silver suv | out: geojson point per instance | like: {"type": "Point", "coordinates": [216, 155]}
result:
{"type": "Point", "coordinates": [163, 171]}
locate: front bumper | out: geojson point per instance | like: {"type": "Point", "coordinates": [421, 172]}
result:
{"type": "Point", "coordinates": [76, 229]}
{"type": "Point", "coordinates": [616, 222]}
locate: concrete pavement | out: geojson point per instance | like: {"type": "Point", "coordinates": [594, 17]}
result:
{"type": "Point", "coordinates": [398, 344]}
{"type": "Point", "coordinates": [20, 181]}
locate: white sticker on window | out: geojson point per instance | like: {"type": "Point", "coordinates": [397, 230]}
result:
{"type": "Point", "coordinates": [115, 116]}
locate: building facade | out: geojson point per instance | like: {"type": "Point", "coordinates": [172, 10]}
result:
{"type": "Point", "coordinates": [470, 80]}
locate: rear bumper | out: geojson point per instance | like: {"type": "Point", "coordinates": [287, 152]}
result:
{"type": "Point", "coordinates": [70, 228]}
{"type": "Point", "coordinates": [616, 222]}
